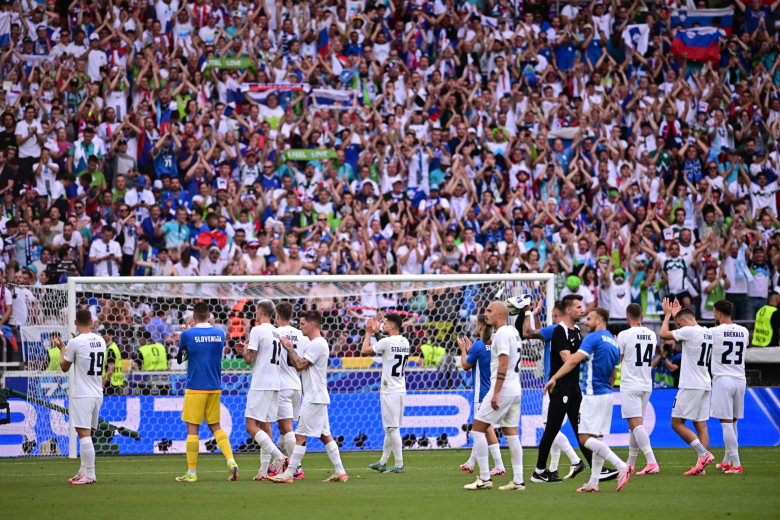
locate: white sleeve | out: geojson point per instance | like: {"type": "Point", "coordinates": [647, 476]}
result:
{"type": "Point", "coordinates": [254, 339]}
{"type": "Point", "coordinates": [501, 344]}
{"type": "Point", "coordinates": [313, 353]}
{"type": "Point", "coordinates": [381, 345]}
{"type": "Point", "coordinates": [71, 350]}
{"type": "Point", "coordinates": [683, 334]}
{"type": "Point", "coordinates": [621, 341]}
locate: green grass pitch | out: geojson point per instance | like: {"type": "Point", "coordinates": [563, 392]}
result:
{"type": "Point", "coordinates": [432, 488]}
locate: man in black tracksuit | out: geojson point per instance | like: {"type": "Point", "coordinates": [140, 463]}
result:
{"type": "Point", "coordinates": [564, 399]}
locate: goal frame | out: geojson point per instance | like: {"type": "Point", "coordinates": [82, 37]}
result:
{"type": "Point", "coordinates": [76, 281]}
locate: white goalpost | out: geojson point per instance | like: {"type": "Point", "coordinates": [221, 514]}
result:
{"type": "Point", "coordinates": [141, 409]}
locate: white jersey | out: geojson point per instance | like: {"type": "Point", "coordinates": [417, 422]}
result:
{"type": "Point", "coordinates": [728, 350]}
{"type": "Point", "coordinates": [265, 372]}
{"type": "Point", "coordinates": [637, 345]}
{"type": "Point", "coordinates": [506, 341]}
{"type": "Point", "coordinates": [289, 378]}
{"type": "Point", "coordinates": [696, 351]}
{"type": "Point", "coordinates": [87, 352]}
{"type": "Point", "coordinates": [394, 351]}
{"type": "Point", "coordinates": [315, 376]}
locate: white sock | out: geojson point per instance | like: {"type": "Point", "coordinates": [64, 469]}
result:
{"type": "Point", "coordinates": [555, 455]}
{"type": "Point", "coordinates": [267, 443]}
{"type": "Point", "coordinates": [265, 458]}
{"type": "Point", "coordinates": [88, 456]}
{"type": "Point", "coordinates": [595, 470]}
{"type": "Point", "coordinates": [732, 446]}
{"type": "Point", "coordinates": [597, 446]}
{"type": "Point", "coordinates": [387, 447]}
{"type": "Point", "coordinates": [398, 453]}
{"type": "Point", "coordinates": [633, 449]}
{"type": "Point", "coordinates": [333, 454]}
{"type": "Point", "coordinates": [298, 452]}
{"type": "Point", "coordinates": [698, 446]}
{"type": "Point", "coordinates": [495, 453]}
{"type": "Point", "coordinates": [288, 439]}
{"type": "Point", "coordinates": [563, 443]}
{"type": "Point", "coordinates": [472, 457]}
{"type": "Point", "coordinates": [643, 443]}
{"type": "Point", "coordinates": [481, 451]}
{"type": "Point", "coordinates": [516, 451]}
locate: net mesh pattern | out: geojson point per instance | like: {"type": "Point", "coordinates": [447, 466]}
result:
{"type": "Point", "coordinates": [142, 408]}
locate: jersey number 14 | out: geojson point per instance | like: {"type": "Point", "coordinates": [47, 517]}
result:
{"type": "Point", "coordinates": [645, 359]}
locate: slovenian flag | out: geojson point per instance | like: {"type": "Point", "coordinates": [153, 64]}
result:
{"type": "Point", "coordinates": [688, 18]}
{"type": "Point", "coordinates": [328, 96]}
{"type": "Point", "coordinates": [637, 37]}
{"type": "Point", "coordinates": [324, 41]}
{"type": "Point", "coordinates": [5, 28]}
{"type": "Point", "coordinates": [698, 43]}
{"type": "Point", "coordinates": [259, 92]}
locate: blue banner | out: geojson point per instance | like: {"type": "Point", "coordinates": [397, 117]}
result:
{"type": "Point", "coordinates": [429, 415]}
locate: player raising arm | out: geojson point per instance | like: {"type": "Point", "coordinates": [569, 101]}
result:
{"type": "Point", "coordinates": [501, 404]}
{"type": "Point", "coordinates": [394, 350]}
{"type": "Point", "coordinates": [728, 380]}
{"type": "Point", "coordinates": [202, 345]}
{"type": "Point", "coordinates": [85, 353]}
{"type": "Point", "coordinates": [476, 357]}
{"type": "Point", "coordinates": [313, 422]}
{"type": "Point", "coordinates": [262, 400]}
{"type": "Point", "coordinates": [600, 355]}
{"type": "Point", "coordinates": [636, 353]}
{"type": "Point", "coordinates": [693, 398]}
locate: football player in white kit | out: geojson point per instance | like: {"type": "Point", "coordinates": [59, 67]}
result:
{"type": "Point", "coordinates": [262, 401]}
{"type": "Point", "coordinates": [693, 398]}
{"type": "Point", "coordinates": [501, 404]}
{"type": "Point", "coordinates": [729, 341]}
{"type": "Point", "coordinates": [637, 345]}
{"type": "Point", "coordinates": [394, 350]}
{"type": "Point", "coordinates": [85, 353]}
{"type": "Point", "coordinates": [290, 383]}
{"type": "Point", "coordinates": [312, 363]}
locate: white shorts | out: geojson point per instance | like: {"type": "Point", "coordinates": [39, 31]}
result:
{"type": "Point", "coordinates": [595, 414]}
{"type": "Point", "coordinates": [313, 421]}
{"type": "Point", "coordinates": [392, 409]}
{"type": "Point", "coordinates": [634, 403]}
{"type": "Point", "coordinates": [507, 415]}
{"type": "Point", "coordinates": [728, 398]}
{"type": "Point", "coordinates": [289, 404]}
{"type": "Point", "coordinates": [84, 412]}
{"type": "Point", "coordinates": [262, 405]}
{"type": "Point", "coordinates": [545, 406]}
{"type": "Point", "coordinates": [692, 404]}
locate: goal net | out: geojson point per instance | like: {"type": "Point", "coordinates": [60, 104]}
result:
{"type": "Point", "coordinates": [141, 412]}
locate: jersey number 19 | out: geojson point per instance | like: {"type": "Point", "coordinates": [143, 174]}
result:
{"type": "Point", "coordinates": [95, 363]}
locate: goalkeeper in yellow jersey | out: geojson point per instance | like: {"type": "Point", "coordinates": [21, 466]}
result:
{"type": "Point", "coordinates": [201, 345]}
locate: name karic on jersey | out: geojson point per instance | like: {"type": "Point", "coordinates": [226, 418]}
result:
{"type": "Point", "coordinates": [207, 339]}
{"type": "Point", "coordinates": [733, 334]}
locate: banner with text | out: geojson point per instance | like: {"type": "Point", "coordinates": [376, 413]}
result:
{"type": "Point", "coordinates": [435, 417]}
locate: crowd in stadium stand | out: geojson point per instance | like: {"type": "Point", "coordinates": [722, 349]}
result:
{"type": "Point", "coordinates": [628, 147]}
